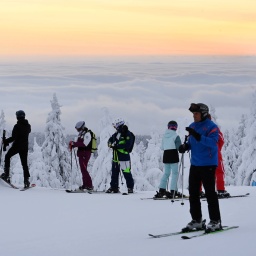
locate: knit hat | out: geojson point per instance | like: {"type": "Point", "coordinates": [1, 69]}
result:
{"type": "Point", "coordinates": [172, 125]}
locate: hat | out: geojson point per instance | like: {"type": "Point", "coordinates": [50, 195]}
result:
{"type": "Point", "coordinates": [172, 125]}
{"type": "Point", "coordinates": [201, 108]}
{"type": "Point", "coordinates": [80, 125]}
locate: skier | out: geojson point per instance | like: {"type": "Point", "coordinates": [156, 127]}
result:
{"type": "Point", "coordinates": [121, 141]}
{"type": "Point", "coordinates": [170, 144]}
{"type": "Point", "coordinates": [220, 171]}
{"type": "Point", "coordinates": [84, 145]}
{"type": "Point", "coordinates": [20, 134]}
{"type": "Point", "coordinates": [202, 142]}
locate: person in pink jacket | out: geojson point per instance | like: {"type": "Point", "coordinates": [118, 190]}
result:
{"type": "Point", "coordinates": [83, 145]}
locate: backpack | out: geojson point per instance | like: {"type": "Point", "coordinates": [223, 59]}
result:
{"type": "Point", "coordinates": [93, 142]}
{"type": "Point", "coordinates": [133, 141]}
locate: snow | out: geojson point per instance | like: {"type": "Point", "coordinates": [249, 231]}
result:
{"type": "Point", "coordinates": [46, 221]}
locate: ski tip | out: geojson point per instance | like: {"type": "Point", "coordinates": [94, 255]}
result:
{"type": "Point", "coordinates": [185, 237]}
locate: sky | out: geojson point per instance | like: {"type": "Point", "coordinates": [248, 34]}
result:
{"type": "Point", "coordinates": [146, 92]}
{"type": "Point", "coordinates": [112, 27]}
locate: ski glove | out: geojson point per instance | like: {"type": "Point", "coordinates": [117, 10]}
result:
{"type": "Point", "coordinates": [183, 148]}
{"type": "Point", "coordinates": [70, 145]}
{"type": "Point", "coordinates": [195, 134]}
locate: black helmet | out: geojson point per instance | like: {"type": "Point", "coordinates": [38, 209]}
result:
{"type": "Point", "coordinates": [172, 125]}
{"type": "Point", "coordinates": [200, 107]}
{"type": "Point", "coordinates": [20, 114]}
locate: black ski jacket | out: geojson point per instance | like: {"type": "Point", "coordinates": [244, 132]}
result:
{"type": "Point", "coordinates": [20, 135]}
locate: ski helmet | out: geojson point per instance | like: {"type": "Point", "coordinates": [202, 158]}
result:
{"type": "Point", "coordinates": [118, 122]}
{"type": "Point", "coordinates": [80, 125]}
{"type": "Point", "coordinates": [172, 125]}
{"type": "Point", "coordinates": [20, 114]}
{"type": "Point", "coordinates": [201, 108]}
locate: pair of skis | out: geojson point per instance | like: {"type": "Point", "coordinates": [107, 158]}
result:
{"type": "Point", "coordinates": [14, 187]}
{"type": "Point", "coordinates": [205, 232]}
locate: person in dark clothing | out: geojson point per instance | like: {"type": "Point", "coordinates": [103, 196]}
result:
{"type": "Point", "coordinates": [202, 142]}
{"type": "Point", "coordinates": [19, 140]}
{"type": "Point", "coordinates": [120, 142]}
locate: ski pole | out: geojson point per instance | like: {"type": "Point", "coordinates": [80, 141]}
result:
{"type": "Point", "coordinates": [71, 170]}
{"type": "Point", "coordinates": [182, 161]}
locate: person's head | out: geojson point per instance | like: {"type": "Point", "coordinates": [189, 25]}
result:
{"type": "Point", "coordinates": [200, 111]}
{"type": "Point", "coordinates": [118, 123]}
{"type": "Point", "coordinates": [80, 126]}
{"type": "Point", "coordinates": [172, 125]}
{"type": "Point", "coordinates": [20, 114]}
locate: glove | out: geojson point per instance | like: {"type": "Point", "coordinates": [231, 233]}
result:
{"type": "Point", "coordinates": [195, 134]}
{"type": "Point", "coordinates": [71, 145]}
{"type": "Point", "coordinates": [183, 148]}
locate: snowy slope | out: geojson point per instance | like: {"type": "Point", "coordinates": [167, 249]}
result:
{"type": "Point", "coordinates": [50, 222]}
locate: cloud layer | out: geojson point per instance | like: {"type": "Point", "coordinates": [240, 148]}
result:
{"type": "Point", "coordinates": [147, 92]}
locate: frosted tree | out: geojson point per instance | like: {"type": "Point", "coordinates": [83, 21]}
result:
{"type": "Point", "coordinates": [153, 165]}
{"type": "Point", "coordinates": [212, 111]}
{"type": "Point", "coordinates": [54, 149]}
{"type": "Point", "coordinates": [38, 172]}
{"type": "Point", "coordinates": [247, 169]}
{"type": "Point", "coordinates": [101, 171]}
{"type": "Point", "coordinates": [229, 157]}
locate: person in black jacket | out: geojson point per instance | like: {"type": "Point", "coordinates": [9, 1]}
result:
{"type": "Point", "coordinates": [19, 146]}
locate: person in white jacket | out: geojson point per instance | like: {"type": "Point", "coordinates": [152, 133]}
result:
{"type": "Point", "coordinates": [170, 144]}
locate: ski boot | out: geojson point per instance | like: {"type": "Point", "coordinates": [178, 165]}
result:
{"type": "Point", "coordinates": [223, 194]}
{"type": "Point", "coordinates": [112, 190]}
{"type": "Point", "coordinates": [5, 177]}
{"type": "Point", "coordinates": [26, 183]}
{"type": "Point", "coordinates": [212, 226]}
{"type": "Point", "coordinates": [130, 190]}
{"type": "Point", "coordinates": [194, 225]}
{"type": "Point", "coordinates": [160, 194]}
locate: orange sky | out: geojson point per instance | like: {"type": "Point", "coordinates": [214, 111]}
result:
{"type": "Point", "coordinates": [127, 27]}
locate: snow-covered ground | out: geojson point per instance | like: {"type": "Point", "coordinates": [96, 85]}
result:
{"type": "Point", "coordinates": [49, 222]}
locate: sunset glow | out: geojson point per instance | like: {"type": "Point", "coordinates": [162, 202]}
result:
{"type": "Point", "coordinates": [123, 27]}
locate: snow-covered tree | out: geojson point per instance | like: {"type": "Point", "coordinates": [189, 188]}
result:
{"type": "Point", "coordinates": [37, 169]}
{"type": "Point", "coordinates": [248, 164]}
{"type": "Point", "coordinates": [153, 165]}
{"type": "Point", "coordinates": [54, 149]}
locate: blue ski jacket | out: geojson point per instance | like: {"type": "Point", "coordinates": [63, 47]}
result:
{"type": "Point", "coordinates": [205, 151]}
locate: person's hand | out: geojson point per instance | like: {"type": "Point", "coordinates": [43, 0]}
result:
{"type": "Point", "coordinates": [70, 145]}
{"type": "Point", "coordinates": [195, 134]}
{"type": "Point", "coordinates": [183, 148]}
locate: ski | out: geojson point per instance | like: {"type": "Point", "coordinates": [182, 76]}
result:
{"type": "Point", "coordinates": [209, 233]}
{"type": "Point", "coordinates": [176, 233]}
{"type": "Point", "coordinates": [244, 195]}
{"type": "Point", "coordinates": [10, 184]}
{"type": "Point", "coordinates": [78, 191]}
{"type": "Point", "coordinates": [31, 186]}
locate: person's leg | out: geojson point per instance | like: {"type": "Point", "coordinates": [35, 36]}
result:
{"type": "Point", "coordinates": [125, 167]}
{"type": "Point", "coordinates": [115, 175]}
{"type": "Point", "coordinates": [83, 161]}
{"type": "Point", "coordinates": [194, 193]}
{"type": "Point", "coordinates": [165, 177]}
{"type": "Point", "coordinates": [220, 174]}
{"type": "Point", "coordinates": [11, 152]}
{"type": "Point", "coordinates": [174, 176]}
{"type": "Point", "coordinates": [24, 163]}
{"type": "Point", "coordinates": [208, 178]}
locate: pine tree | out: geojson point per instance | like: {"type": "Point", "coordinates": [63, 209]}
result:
{"type": "Point", "coordinates": [38, 172]}
{"type": "Point", "coordinates": [248, 164]}
{"type": "Point", "coordinates": [55, 150]}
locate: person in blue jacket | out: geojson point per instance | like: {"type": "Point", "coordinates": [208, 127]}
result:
{"type": "Point", "coordinates": [202, 143]}
{"type": "Point", "coordinates": [121, 141]}
{"type": "Point", "coordinates": [170, 145]}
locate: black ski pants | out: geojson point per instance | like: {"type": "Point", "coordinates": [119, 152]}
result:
{"type": "Point", "coordinates": [23, 157]}
{"type": "Point", "coordinates": [205, 175]}
{"type": "Point", "coordinates": [115, 177]}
